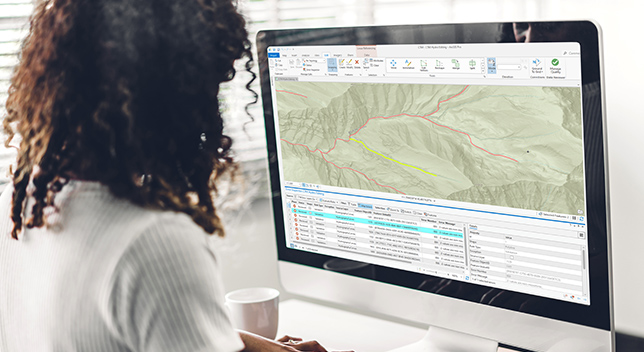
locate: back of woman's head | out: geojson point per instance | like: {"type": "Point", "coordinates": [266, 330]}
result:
{"type": "Point", "coordinates": [124, 92]}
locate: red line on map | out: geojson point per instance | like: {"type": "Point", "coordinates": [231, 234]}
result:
{"type": "Point", "coordinates": [424, 117]}
{"type": "Point", "coordinates": [286, 91]}
{"type": "Point", "coordinates": [470, 138]}
{"type": "Point", "coordinates": [343, 167]}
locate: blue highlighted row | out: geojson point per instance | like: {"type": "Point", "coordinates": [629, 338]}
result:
{"type": "Point", "coordinates": [303, 190]}
{"type": "Point", "coordinates": [379, 223]}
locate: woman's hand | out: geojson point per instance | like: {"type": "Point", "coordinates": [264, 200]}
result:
{"type": "Point", "coordinates": [255, 343]}
{"type": "Point", "coordinates": [297, 344]}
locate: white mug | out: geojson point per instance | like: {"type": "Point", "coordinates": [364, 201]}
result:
{"type": "Point", "coordinates": [255, 310]}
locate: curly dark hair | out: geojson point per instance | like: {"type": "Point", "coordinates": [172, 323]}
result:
{"type": "Point", "coordinates": [125, 92]}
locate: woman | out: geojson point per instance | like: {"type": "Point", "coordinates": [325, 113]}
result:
{"type": "Point", "coordinates": [116, 103]}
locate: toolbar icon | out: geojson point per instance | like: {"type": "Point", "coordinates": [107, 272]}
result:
{"type": "Point", "coordinates": [491, 65]}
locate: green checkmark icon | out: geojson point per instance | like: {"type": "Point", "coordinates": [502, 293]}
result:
{"type": "Point", "coordinates": [555, 62]}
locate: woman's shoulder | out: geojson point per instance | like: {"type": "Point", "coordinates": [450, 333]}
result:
{"type": "Point", "coordinates": [96, 202]}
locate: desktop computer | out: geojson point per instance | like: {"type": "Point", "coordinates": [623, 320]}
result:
{"type": "Point", "coordinates": [452, 175]}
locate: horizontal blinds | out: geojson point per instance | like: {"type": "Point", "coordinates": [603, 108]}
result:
{"type": "Point", "coordinates": [13, 28]}
{"type": "Point", "coordinates": [297, 13]}
{"type": "Point", "coordinates": [14, 25]}
{"type": "Point", "coordinates": [413, 12]}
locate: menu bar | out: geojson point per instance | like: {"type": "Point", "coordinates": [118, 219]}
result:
{"type": "Point", "coordinates": [492, 62]}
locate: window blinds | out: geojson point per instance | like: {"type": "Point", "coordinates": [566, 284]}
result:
{"type": "Point", "coordinates": [14, 16]}
{"type": "Point", "coordinates": [14, 22]}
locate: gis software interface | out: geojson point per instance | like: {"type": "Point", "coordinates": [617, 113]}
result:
{"type": "Point", "coordinates": [461, 161]}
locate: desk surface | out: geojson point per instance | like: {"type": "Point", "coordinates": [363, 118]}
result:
{"type": "Point", "coordinates": [341, 330]}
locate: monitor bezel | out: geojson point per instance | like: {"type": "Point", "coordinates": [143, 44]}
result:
{"type": "Point", "coordinates": [599, 313]}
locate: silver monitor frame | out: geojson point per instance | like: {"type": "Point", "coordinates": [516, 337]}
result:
{"type": "Point", "coordinates": [510, 327]}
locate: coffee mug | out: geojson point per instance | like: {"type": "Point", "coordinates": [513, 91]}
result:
{"type": "Point", "coordinates": [255, 310]}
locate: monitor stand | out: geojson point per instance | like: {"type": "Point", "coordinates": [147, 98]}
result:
{"type": "Point", "coordinates": [443, 340]}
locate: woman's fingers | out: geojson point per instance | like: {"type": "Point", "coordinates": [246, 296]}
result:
{"type": "Point", "coordinates": [309, 346]}
{"type": "Point", "coordinates": [288, 338]}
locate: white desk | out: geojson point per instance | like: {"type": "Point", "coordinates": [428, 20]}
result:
{"type": "Point", "coordinates": [341, 330]}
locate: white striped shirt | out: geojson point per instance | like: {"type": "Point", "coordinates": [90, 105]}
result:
{"type": "Point", "coordinates": [110, 276]}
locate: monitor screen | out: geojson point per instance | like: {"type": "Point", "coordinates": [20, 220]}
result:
{"type": "Point", "coordinates": [460, 161]}
{"type": "Point", "coordinates": [463, 164]}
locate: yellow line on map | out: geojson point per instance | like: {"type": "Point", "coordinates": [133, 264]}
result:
{"type": "Point", "coordinates": [388, 158]}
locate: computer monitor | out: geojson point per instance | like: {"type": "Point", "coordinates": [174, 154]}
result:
{"type": "Point", "coordinates": [450, 174]}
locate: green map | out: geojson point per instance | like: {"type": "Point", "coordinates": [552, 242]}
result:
{"type": "Point", "coordinates": [509, 146]}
